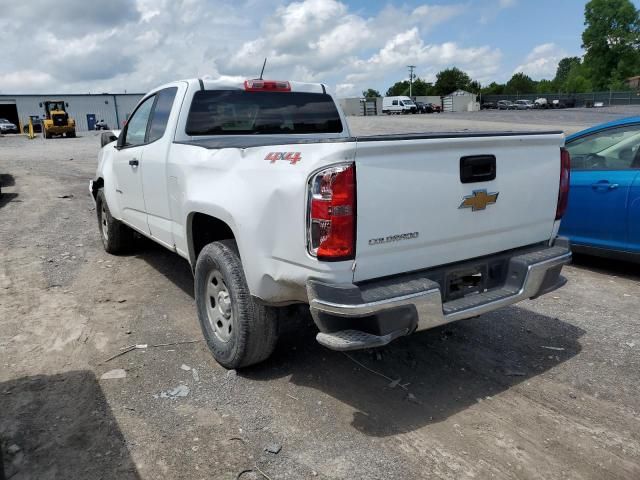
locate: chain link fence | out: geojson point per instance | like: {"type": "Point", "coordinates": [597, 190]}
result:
{"type": "Point", "coordinates": [580, 99]}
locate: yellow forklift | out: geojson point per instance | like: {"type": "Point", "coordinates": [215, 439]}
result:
{"type": "Point", "coordinates": [57, 121]}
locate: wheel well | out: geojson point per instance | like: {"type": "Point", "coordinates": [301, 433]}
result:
{"type": "Point", "coordinates": [204, 230]}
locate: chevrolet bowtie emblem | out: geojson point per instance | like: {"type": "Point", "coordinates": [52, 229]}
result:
{"type": "Point", "coordinates": [479, 200]}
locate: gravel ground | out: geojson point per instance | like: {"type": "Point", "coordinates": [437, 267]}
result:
{"type": "Point", "coordinates": [543, 390]}
{"type": "Point", "coordinates": [569, 120]}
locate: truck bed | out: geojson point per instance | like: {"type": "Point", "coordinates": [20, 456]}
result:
{"type": "Point", "coordinates": [246, 141]}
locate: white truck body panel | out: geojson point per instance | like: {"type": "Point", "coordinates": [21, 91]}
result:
{"type": "Point", "coordinates": [402, 186]}
{"type": "Point", "coordinates": [264, 204]}
{"type": "Point", "coordinates": [413, 187]}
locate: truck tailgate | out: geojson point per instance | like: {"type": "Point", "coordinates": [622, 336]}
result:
{"type": "Point", "coordinates": [411, 206]}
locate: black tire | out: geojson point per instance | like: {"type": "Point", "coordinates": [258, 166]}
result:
{"type": "Point", "coordinates": [116, 236]}
{"type": "Point", "coordinates": [71, 134]}
{"type": "Point", "coordinates": [239, 331]}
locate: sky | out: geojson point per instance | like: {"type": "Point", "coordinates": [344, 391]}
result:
{"type": "Point", "coordinates": [350, 45]}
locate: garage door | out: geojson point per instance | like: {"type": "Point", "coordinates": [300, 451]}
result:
{"type": "Point", "coordinates": [447, 104]}
{"type": "Point", "coordinates": [9, 111]}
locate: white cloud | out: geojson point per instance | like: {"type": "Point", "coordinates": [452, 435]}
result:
{"type": "Point", "coordinates": [24, 80]}
{"type": "Point", "coordinates": [431, 15]}
{"type": "Point", "coordinates": [319, 39]}
{"type": "Point", "coordinates": [347, 90]}
{"type": "Point", "coordinates": [542, 61]}
{"type": "Point", "coordinates": [491, 13]}
{"type": "Point", "coordinates": [407, 47]}
{"type": "Point", "coordinates": [136, 45]}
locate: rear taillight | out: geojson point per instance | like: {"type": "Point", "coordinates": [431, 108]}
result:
{"type": "Point", "coordinates": [267, 86]}
{"type": "Point", "coordinates": [563, 192]}
{"type": "Point", "coordinates": [332, 213]}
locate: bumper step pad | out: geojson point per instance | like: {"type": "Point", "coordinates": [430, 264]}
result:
{"type": "Point", "coordinates": [465, 303]}
{"type": "Point", "coordinates": [346, 340]}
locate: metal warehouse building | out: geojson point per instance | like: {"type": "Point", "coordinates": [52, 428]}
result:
{"type": "Point", "coordinates": [86, 109]}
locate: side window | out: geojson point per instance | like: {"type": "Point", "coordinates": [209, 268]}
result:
{"type": "Point", "coordinates": [137, 124]}
{"type": "Point", "coordinates": [161, 113]}
{"type": "Point", "coordinates": [613, 149]}
{"type": "Point", "coordinates": [395, 102]}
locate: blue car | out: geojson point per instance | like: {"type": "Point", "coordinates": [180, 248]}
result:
{"type": "Point", "coordinates": [603, 216]}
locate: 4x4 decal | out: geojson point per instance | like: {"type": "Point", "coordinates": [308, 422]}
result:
{"type": "Point", "coordinates": [291, 157]}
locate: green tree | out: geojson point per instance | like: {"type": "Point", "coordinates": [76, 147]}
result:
{"type": "Point", "coordinates": [493, 89]}
{"type": "Point", "coordinates": [419, 88]}
{"type": "Point", "coordinates": [398, 88]}
{"type": "Point", "coordinates": [611, 40]}
{"type": "Point", "coordinates": [450, 80]}
{"type": "Point", "coordinates": [564, 66]}
{"type": "Point", "coordinates": [520, 83]}
{"type": "Point", "coordinates": [546, 86]}
{"type": "Point", "coordinates": [475, 86]}
{"type": "Point", "coordinates": [577, 80]}
{"type": "Point", "coordinates": [371, 93]}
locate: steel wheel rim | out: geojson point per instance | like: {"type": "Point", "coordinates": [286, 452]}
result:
{"type": "Point", "coordinates": [103, 222]}
{"type": "Point", "coordinates": [219, 308]}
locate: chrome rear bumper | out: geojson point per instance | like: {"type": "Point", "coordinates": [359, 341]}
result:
{"type": "Point", "coordinates": [419, 299]}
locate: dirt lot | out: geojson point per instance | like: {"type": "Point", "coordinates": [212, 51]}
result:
{"type": "Point", "coordinates": [543, 390]}
{"type": "Point", "coordinates": [569, 120]}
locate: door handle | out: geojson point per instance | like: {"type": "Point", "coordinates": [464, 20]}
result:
{"type": "Point", "coordinates": [134, 162]}
{"type": "Point", "coordinates": [604, 185]}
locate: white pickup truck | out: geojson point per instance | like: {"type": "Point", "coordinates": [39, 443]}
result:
{"type": "Point", "coordinates": [262, 188]}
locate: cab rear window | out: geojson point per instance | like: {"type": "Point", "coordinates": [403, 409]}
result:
{"type": "Point", "coordinates": [237, 112]}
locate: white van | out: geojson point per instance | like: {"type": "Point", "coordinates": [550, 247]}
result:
{"type": "Point", "coordinates": [398, 105]}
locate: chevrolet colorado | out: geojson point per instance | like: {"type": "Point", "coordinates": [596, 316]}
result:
{"type": "Point", "coordinates": [262, 188]}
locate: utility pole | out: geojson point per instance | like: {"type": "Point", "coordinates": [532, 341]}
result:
{"type": "Point", "coordinates": [410, 67]}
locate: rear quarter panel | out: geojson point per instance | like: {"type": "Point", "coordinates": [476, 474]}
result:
{"type": "Point", "coordinates": [264, 203]}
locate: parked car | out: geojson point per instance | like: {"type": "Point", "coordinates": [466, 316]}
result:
{"type": "Point", "coordinates": [506, 105]}
{"type": "Point", "coordinates": [424, 107]}
{"type": "Point", "coordinates": [400, 104]}
{"type": "Point", "coordinates": [603, 217]}
{"type": "Point", "coordinates": [36, 122]}
{"type": "Point", "coordinates": [344, 231]}
{"type": "Point", "coordinates": [488, 106]}
{"type": "Point", "coordinates": [523, 105]}
{"type": "Point", "coordinates": [101, 125]}
{"type": "Point", "coordinates": [434, 108]}
{"type": "Point", "coordinates": [563, 103]}
{"type": "Point", "coordinates": [7, 127]}
{"type": "Point", "coordinates": [541, 103]}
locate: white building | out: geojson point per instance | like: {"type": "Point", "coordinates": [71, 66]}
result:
{"type": "Point", "coordinates": [86, 109]}
{"type": "Point", "coordinates": [460, 101]}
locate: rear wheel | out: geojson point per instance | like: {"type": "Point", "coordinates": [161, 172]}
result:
{"type": "Point", "coordinates": [71, 134]}
{"type": "Point", "coordinates": [116, 236]}
{"type": "Point", "coordinates": [239, 331]}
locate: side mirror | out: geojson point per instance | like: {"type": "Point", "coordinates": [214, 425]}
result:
{"type": "Point", "coordinates": [40, 104]}
{"type": "Point", "coordinates": [67, 104]}
{"type": "Point", "coordinates": [106, 138]}
{"type": "Point", "coordinates": [120, 143]}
